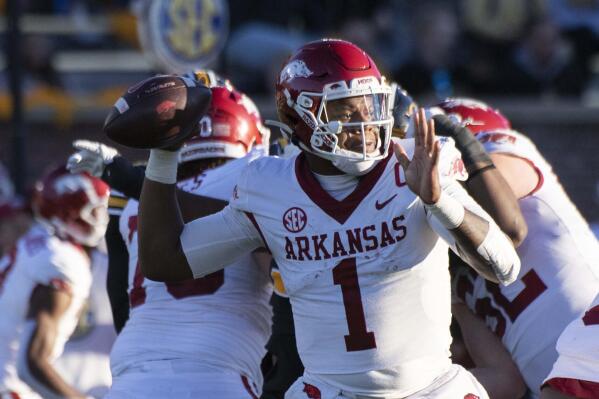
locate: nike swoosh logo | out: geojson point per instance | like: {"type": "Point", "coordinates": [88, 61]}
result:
{"type": "Point", "coordinates": [381, 205]}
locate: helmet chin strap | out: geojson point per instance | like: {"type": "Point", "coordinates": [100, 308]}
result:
{"type": "Point", "coordinates": [354, 168]}
{"type": "Point", "coordinates": [349, 166]}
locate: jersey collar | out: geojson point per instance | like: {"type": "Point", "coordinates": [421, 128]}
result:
{"type": "Point", "coordinates": [338, 210]}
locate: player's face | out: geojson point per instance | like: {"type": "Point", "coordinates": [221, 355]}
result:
{"type": "Point", "coordinates": [351, 110]}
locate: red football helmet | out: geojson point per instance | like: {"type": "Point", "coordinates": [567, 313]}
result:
{"type": "Point", "coordinates": [230, 129]}
{"type": "Point", "coordinates": [313, 78]}
{"type": "Point", "coordinates": [475, 115]}
{"type": "Point", "coordinates": [75, 206]}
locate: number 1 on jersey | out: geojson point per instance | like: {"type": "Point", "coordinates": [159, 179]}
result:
{"type": "Point", "coordinates": [345, 274]}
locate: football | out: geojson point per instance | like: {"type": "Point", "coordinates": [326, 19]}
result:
{"type": "Point", "coordinates": [159, 112]}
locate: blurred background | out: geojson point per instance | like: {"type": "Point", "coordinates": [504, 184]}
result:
{"type": "Point", "coordinates": [65, 62]}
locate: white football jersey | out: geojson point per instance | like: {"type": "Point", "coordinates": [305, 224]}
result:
{"type": "Point", "coordinates": [220, 321]}
{"type": "Point", "coordinates": [559, 274]}
{"type": "Point", "coordinates": [85, 361]}
{"type": "Point", "coordinates": [367, 276]}
{"type": "Point", "coordinates": [39, 258]}
{"type": "Point", "coordinates": [578, 348]}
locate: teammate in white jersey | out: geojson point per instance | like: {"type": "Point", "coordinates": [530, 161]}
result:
{"type": "Point", "coordinates": [201, 338]}
{"type": "Point", "coordinates": [85, 362]}
{"type": "Point", "coordinates": [559, 276]}
{"type": "Point", "coordinates": [574, 374]}
{"type": "Point", "coordinates": [360, 238]}
{"type": "Point", "coordinates": [45, 281]}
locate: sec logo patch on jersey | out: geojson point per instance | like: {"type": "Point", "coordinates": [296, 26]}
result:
{"type": "Point", "coordinates": [184, 34]}
{"type": "Point", "coordinates": [295, 220]}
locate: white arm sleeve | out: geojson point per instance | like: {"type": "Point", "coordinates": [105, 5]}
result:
{"type": "Point", "coordinates": [496, 249]}
{"type": "Point", "coordinates": [213, 242]}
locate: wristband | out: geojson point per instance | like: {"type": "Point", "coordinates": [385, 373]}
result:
{"type": "Point", "coordinates": [449, 211]}
{"type": "Point", "coordinates": [472, 150]}
{"type": "Point", "coordinates": [478, 171]}
{"type": "Point", "coordinates": [162, 166]}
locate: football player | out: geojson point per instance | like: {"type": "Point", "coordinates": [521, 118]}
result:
{"type": "Point", "coordinates": [495, 364]}
{"type": "Point", "coordinates": [205, 337]}
{"type": "Point", "coordinates": [360, 232]}
{"type": "Point", "coordinates": [559, 276]}
{"type": "Point", "coordinates": [45, 281]}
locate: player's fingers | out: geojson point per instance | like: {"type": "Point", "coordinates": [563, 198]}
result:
{"type": "Point", "coordinates": [417, 128]}
{"type": "Point", "coordinates": [436, 151]}
{"type": "Point", "coordinates": [92, 146]}
{"type": "Point", "coordinates": [430, 143]}
{"type": "Point", "coordinates": [90, 166]}
{"type": "Point", "coordinates": [401, 155]}
{"type": "Point", "coordinates": [424, 127]}
{"type": "Point", "coordinates": [74, 160]}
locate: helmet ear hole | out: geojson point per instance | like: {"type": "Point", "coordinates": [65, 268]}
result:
{"type": "Point", "coordinates": [288, 118]}
{"type": "Point", "coordinates": [292, 121]}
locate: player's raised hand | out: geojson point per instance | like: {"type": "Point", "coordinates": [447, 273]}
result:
{"type": "Point", "coordinates": [91, 157]}
{"type": "Point", "coordinates": [421, 171]}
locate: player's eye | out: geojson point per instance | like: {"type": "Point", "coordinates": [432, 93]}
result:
{"type": "Point", "coordinates": [341, 115]}
{"type": "Point", "coordinates": [346, 116]}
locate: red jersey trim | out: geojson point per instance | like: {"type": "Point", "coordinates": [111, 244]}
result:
{"type": "Point", "coordinates": [9, 395]}
{"type": "Point", "coordinates": [255, 223]}
{"type": "Point", "coordinates": [247, 387]}
{"type": "Point", "coordinates": [338, 210]}
{"type": "Point", "coordinates": [578, 388]}
{"type": "Point", "coordinates": [539, 173]}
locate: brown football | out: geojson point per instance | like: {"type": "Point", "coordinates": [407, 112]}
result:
{"type": "Point", "coordinates": [159, 112]}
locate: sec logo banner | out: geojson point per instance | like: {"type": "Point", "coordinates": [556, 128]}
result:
{"type": "Point", "coordinates": [183, 34]}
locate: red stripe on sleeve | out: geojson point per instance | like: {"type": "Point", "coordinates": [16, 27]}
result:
{"type": "Point", "coordinates": [246, 384]}
{"type": "Point", "coordinates": [539, 173]}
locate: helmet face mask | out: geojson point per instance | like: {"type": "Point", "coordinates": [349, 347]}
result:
{"type": "Point", "coordinates": [365, 114]}
{"type": "Point", "coordinates": [319, 79]}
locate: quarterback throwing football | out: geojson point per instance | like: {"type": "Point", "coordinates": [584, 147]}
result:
{"type": "Point", "coordinates": [358, 227]}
